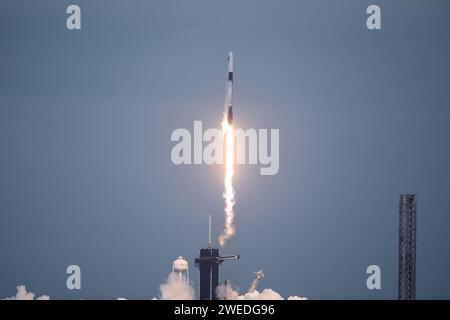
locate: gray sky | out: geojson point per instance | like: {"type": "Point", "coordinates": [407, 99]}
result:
{"type": "Point", "coordinates": [86, 118]}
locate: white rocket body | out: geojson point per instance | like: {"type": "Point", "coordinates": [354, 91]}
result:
{"type": "Point", "coordinates": [229, 96]}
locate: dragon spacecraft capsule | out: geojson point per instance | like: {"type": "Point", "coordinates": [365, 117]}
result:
{"type": "Point", "coordinates": [229, 97]}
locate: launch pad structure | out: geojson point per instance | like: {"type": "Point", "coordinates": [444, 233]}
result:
{"type": "Point", "coordinates": [208, 263]}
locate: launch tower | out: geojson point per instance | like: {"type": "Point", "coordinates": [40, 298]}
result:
{"type": "Point", "coordinates": [407, 247]}
{"type": "Point", "coordinates": [208, 263]}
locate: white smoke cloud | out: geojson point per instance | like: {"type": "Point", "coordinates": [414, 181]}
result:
{"type": "Point", "coordinates": [176, 288]}
{"type": "Point", "coordinates": [296, 298]}
{"type": "Point", "coordinates": [22, 294]}
{"type": "Point", "coordinates": [229, 293]}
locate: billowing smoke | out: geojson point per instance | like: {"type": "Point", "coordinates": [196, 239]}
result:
{"type": "Point", "coordinates": [296, 298]}
{"type": "Point", "coordinates": [229, 293]}
{"type": "Point", "coordinates": [176, 288]}
{"type": "Point", "coordinates": [22, 294]}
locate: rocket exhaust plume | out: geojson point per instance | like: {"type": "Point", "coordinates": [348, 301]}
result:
{"type": "Point", "coordinates": [228, 194]}
{"type": "Point", "coordinates": [228, 133]}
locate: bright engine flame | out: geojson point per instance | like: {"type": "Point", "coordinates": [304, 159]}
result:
{"type": "Point", "coordinates": [228, 132]}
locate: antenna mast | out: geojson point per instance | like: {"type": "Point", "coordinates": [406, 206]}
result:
{"type": "Point", "coordinates": [209, 233]}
